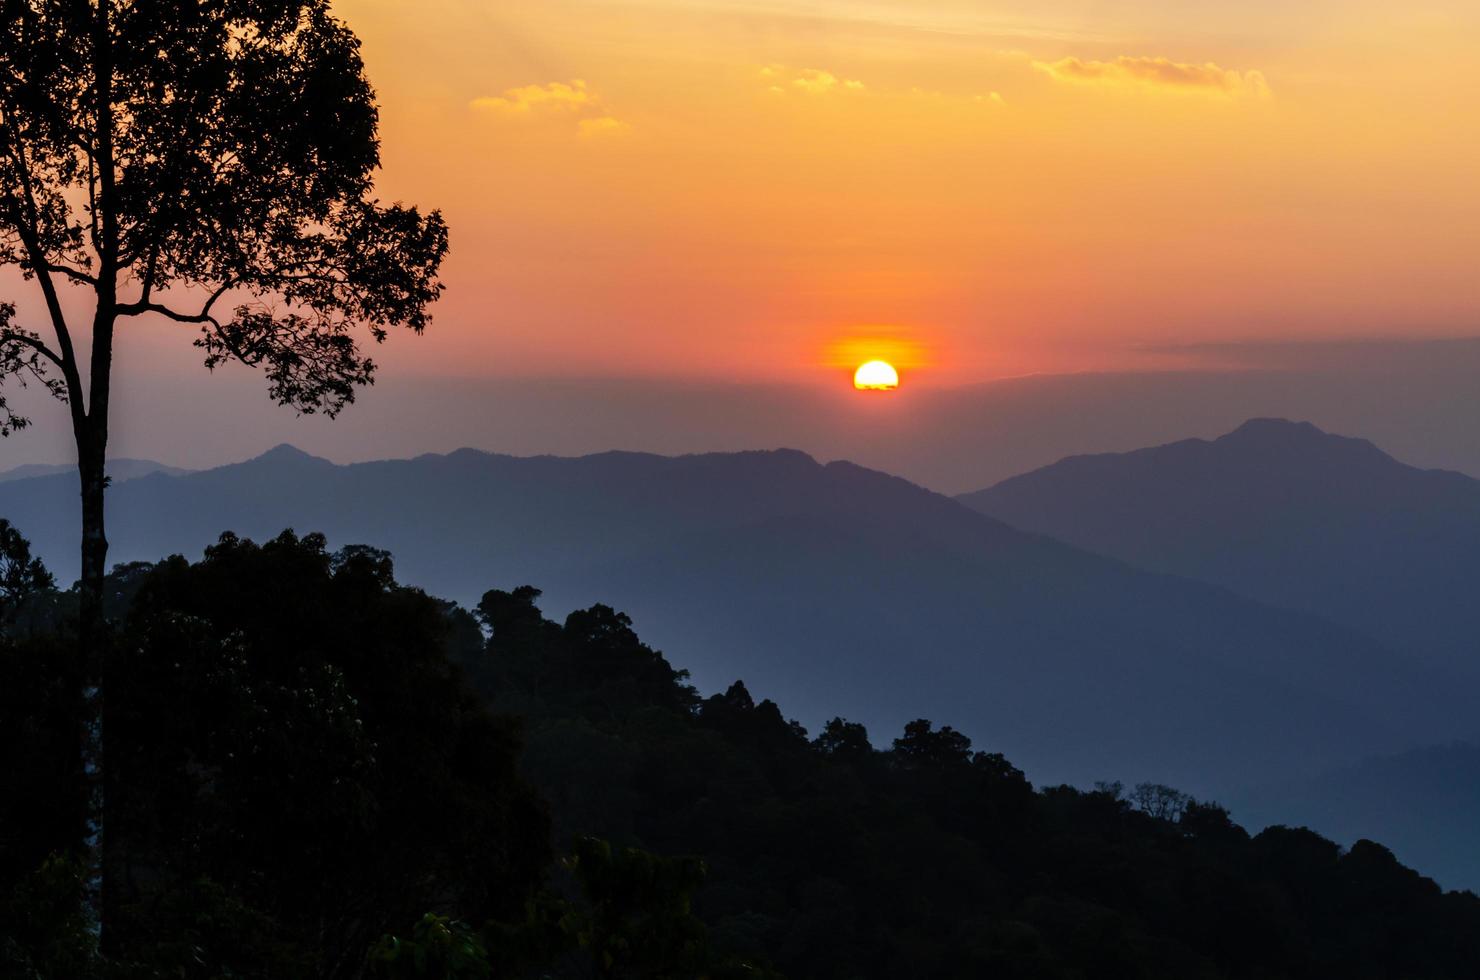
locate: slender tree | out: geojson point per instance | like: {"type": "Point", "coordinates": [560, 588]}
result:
{"type": "Point", "coordinates": [204, 162]}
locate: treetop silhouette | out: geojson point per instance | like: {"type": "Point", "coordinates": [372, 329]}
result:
{"type": "Point", "coordinates": [211, 164]}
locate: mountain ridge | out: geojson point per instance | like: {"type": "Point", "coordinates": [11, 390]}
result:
{"type": "Point", "coordinates": [855, 591]}
{"type": "Point", "coordinates": [122, 468]}
{"type": "Point", "coordinates": [1283, 513]}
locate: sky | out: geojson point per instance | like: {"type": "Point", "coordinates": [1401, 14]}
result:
{"type": "Point", "coordinates": [777, 189]}
{"type": "Point", "coordinates": [761, 194]}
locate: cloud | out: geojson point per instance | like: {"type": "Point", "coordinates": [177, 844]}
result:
{"type": "Point", "coordinates": [603, 126]}
{"type": "Point", "coordinates": [1160, 73]}
{"type": "Point", "coordinates": [808, 81]}
{"type": "Point", "coordinates": [815, 81]}
{"type": "Point", "coordinates": [554, 97]}
{"type": "Point", "coordinates": [781, 80]}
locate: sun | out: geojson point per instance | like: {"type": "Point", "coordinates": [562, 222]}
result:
{"type": "Point", "coordinates": [876, 376]}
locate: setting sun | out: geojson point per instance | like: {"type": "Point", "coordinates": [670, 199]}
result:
{"type": "Point", "coordinates": [876, 376]}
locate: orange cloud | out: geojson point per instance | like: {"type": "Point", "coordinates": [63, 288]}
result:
{"type": "Point", "coordinates": [1158, 73]}
{"type": "Point", "coordinates": [562, 99]}
{"type": "Point", "coordinates": [809, 81]}
{"type": "Point", "coordinates": [815, 81]}
{"type": "Point", "coordinates": [556, 96]}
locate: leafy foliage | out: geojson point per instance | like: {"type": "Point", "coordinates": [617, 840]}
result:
{"type": "Point", "coordinates": [309, 786]}
{"type": "Point", "coordinates": [21, 575]}
{"type": "Point", "coordinates": [437, 947]}
{"type": "Point", "coordinates": [211, 153]}
{"type": "Point", "coordinates": [637, 921]}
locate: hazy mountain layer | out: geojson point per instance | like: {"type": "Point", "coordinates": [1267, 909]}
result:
{"type": "Point", "coordinates": [844, 590]}
{"type": "Point", "coordinates": [118, 469]}
{"type": "Point", "coordinates": [1415, 399]}
{"type": "Point", "coordinates": [1286, 514]}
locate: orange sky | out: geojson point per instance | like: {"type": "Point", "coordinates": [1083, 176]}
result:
{"type": "Point", "coordinates": [771, 188]}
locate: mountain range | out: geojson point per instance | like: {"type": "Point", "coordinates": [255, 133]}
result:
{"type": "Point", "coordinates": [118, 469]}
{"type": "Point", "coordinates": [1416, 399]}
{"type": "Point", "coordinates": [1296, 517]}
{"type": "Point", "coordinates": [854, 592]}
{"type": "Point", "coordinates": [1286, 514]}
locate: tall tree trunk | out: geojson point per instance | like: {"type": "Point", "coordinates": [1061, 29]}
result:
{"type": "Point", "coordinates": [92, 450]}
{"type": "Point", "coordinates": [93, 638]}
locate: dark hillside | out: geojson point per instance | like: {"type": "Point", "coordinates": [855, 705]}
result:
{"type": "Point", "coordinates": [309, 756]}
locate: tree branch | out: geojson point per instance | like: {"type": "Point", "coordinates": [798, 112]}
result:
{"type": "Point", "coordinates": [141, 307]}
{"type": "Point", "coordinates": [30, 234]}
{"type": "Point", "coordinates": [76, 275]}
{"type": "Point", "coordinates": [144, 305]}
{"type": "Point", "coordinates": [35, 343]}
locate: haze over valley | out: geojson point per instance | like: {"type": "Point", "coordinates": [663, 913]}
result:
{"type": "Point", "coordinates": [1078, 648]}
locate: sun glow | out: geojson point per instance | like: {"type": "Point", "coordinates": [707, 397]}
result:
{"type": "Point", "coordinates": [876, 376]}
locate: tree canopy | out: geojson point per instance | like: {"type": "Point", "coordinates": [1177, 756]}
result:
{"type": "Point", "coordinates": [217, 158]}
{"type": "Point", "coordinates": [326, 773]}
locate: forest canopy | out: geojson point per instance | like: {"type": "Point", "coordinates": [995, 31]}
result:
{"type": "Point", "coordinates": [323, 772]}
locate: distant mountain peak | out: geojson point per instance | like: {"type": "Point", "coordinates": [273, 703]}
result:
{"type": "Point", "coordinates": [1266, 426]}
{"type": "Point", "coordinates": [1284, 513]}
{"type": "Point", "coordinates": [285, 452]}
{"type": "Point", "coordinates": [1284, 434]}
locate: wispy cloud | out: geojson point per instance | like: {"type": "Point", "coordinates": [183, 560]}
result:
{"type": "Point", "coordinates": [1160, 73]}
{"type": "Point", "coordinates": [555, 96]}
{"type": "Point", "coordinates": [815, 81]}
{"type": "Point", "coordinates": [782, 80]}
{"type": "Point", "coordinates": [573, 98]}
{"type": "Point", "coordinates": [808, 81]}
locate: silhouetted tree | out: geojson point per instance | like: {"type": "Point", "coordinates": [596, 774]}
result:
{"type": "Point", "coordinates": [376, 562]}
{"type": "Point", "coordinates": [923, 747]}
{"type": "Point", "coordinates": [1211, 823]}
{"type": "Point", "coordinates": [1160, 802]}
{"type": "Point", "coordinates": [209, 164]}
{"type": "Point", "coordinates": [21, 575]}
{"type": "Point", "coordinates": [503, 612]}
{"type": "Point", "coordinates": [844, 740]}
{"type": "Point", "coordinates": [291, 713]}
